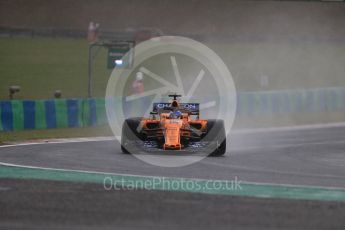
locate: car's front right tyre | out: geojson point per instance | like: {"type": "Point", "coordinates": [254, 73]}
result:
{"type": "Point", "coordinates": [216, 134]}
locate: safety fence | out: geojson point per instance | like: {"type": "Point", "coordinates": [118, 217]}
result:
{"type": "Point", "coordinates": [59, 113]}
{"type": "Point", "coordinates": [291, 102]}
{"type": "Point", "coordinates": [62, 113]}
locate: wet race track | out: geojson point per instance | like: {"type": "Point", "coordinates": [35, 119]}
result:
{"type": "Point", "coordinates": [306, 157]}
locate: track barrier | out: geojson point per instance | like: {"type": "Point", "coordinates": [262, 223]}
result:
{"type": "Point", "coordinates": [55, 113]}
{"type": "Point", "coordinates": [64, 113]}
{"type": "Point", "coordinates": [291, 102]}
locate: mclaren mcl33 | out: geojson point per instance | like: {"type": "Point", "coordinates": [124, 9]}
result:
{"type": "Point", "coordinates": [174, 127]}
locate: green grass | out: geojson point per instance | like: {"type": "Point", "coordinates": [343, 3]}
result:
{"type": "Point", "coordinates": [41, 66]}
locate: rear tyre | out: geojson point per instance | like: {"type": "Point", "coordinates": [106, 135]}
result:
{"type": "Point", "coordinates": [130, 133]}
{"type": "Point", "coordinates": [216, 133]}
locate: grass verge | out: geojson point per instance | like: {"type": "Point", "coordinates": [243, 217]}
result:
{"type": "Point", "coordinates": [42, 65]}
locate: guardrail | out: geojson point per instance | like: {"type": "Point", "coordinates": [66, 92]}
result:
{"type": "Point", "coordinates": [291, 101]}
{"type": "Point", "coordinates": [62, 113]}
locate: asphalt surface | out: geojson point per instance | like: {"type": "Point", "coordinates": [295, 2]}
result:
{"type": "Point", "coordinates": [36, 204]}
{"type": "Point", "coordinates": [307, 157]}
{"type": "Point", "coordinates": [313, 156]}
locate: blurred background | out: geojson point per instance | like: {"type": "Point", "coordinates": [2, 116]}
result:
{"type": "Point", "coordinates": [287, 58]}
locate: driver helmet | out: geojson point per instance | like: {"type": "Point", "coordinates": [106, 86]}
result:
{"type": "Point", "coordinates": [175, 115]}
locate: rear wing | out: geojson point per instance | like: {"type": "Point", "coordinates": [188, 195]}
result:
{"type": "Point", "coordinates": [192, 108]}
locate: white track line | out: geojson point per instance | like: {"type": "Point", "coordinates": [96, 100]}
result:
{"type": "Point", "coordinates": [60, 141]}
{"type": "Point", "coordinates": [279, 146]}
{"type": "Point", "coordinates": [291, 128]}
{"type": "Point", "coordinates": [78, 140]}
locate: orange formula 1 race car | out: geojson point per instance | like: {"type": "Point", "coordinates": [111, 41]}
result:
{"type": "Point", "coordinates": [174, 127]}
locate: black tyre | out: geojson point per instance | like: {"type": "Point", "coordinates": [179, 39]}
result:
{"type": "Point", "coordinates": [130, 133]}
{"type": "Point", "coordinates": [216, 133]}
